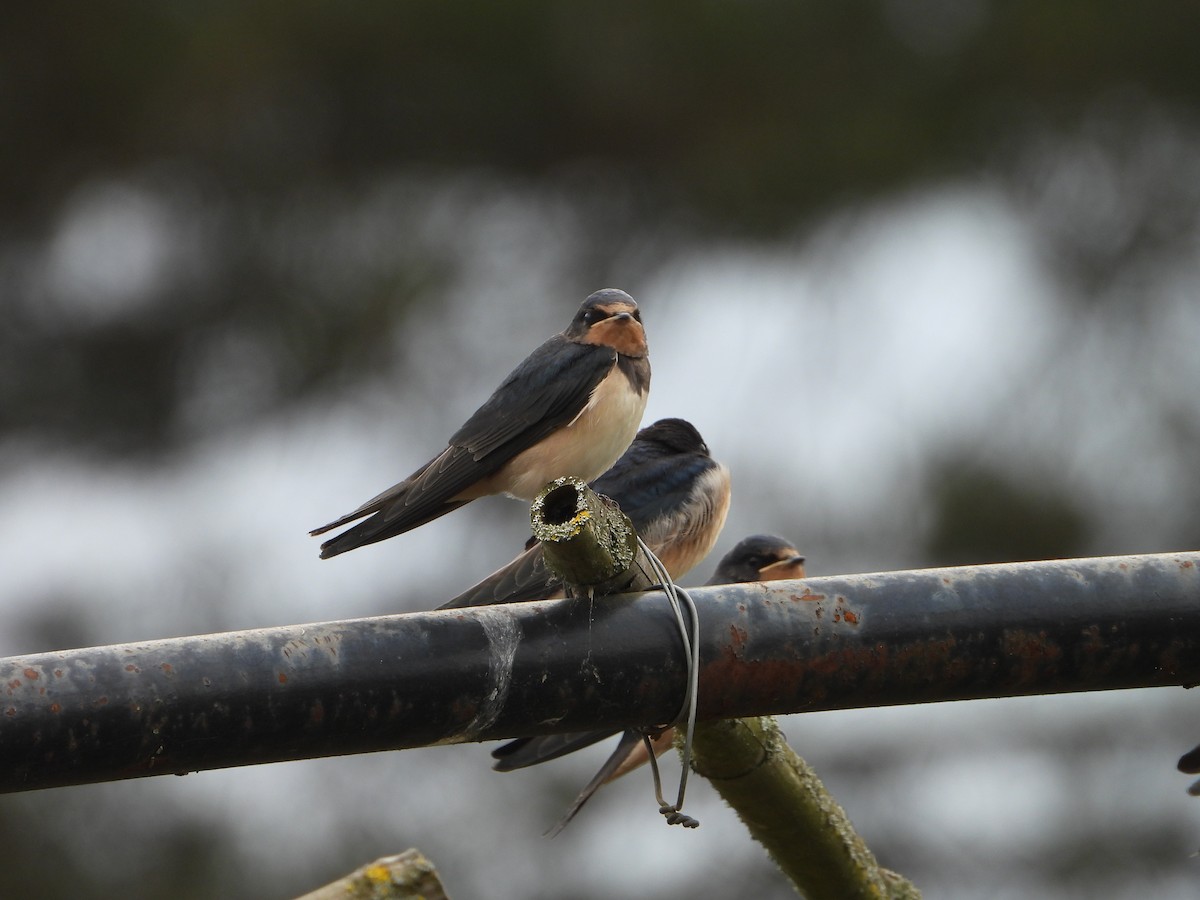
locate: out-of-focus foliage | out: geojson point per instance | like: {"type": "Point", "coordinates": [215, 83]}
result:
{"type": "Point", "coordinates": [987, 516]}
{"type": "Point", "coordinates": [745, 114]}
{"type": "Point", "coordinates": [238, 136]}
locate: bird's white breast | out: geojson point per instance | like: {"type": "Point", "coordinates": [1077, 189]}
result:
{"type": "Point", "coordinates": [586, 447]}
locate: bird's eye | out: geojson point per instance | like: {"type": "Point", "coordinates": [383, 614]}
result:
{"type": "Point", "coordinates": [592, 316]}
{"type": "Point", "coordinates": [637, 314]}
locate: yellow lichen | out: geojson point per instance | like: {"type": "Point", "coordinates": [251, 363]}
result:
{"type": "Point", "coordinates": [378, 874]}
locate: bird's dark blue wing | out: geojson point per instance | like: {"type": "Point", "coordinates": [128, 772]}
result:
{"type": "Point", "coordinates": [539, 396]}
{"type": "Point", "coordinates": [547, 391]}
{"type": "Point", "coordinates": [651, 483]}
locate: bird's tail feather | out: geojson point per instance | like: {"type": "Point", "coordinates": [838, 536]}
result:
{"type": "Point", "coordinates": [629, 740]}
{"type": "Point", "coordinates": [377, 528]}
{"type": "Point", "coordinates": [533, 750]}
{"type": "Point", "coordinates": [338, 523]}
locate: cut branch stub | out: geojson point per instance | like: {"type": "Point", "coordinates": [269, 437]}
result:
{"type": "Point", "coordinates": [587, 540]}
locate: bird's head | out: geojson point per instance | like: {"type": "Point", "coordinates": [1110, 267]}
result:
{"type": "Point", "coordinates": [675, 435]}
{"type": "Point", "coordinates": [761, 557]}
{"type": "Point", "coordinates": [609, 318]}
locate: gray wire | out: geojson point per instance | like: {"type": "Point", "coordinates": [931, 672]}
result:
{"type": "Point", "coordinates": [691, 655]}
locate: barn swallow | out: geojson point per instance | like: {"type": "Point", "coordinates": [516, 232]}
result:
{"type": "Point", "coordinates": [675, 494]}
{"type": "Point", "coordinates": [571, 408]}
{"type": "Point", "coordinates": [759, 557]}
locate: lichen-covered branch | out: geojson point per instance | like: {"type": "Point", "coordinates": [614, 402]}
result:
{"type": "Point", "coordinates": [787, 809]}
{"type": "Point", "coordinates": [406, 876]}
{"type": "Point", "coordinates": [587, 540]}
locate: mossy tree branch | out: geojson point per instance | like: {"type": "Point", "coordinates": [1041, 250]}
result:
{"type": "Point", "coordinates": [587, 541]}
{"type": "Point", "coordinates": [406, 876]}
{"type": "Point", "coordinates": [787, 809]}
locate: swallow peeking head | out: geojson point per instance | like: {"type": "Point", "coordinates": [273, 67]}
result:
{"type": "Point", "coordinates": [760, 557]}
{"type": "Point", "coordinates": [610, 318]}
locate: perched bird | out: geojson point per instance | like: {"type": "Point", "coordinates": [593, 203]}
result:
{"type": "Point", "coordinates": [571, 408]}
{"type": "Point", "coordinates": [675, 494]}
{"type": "Point", "coordinates": [760, 557]}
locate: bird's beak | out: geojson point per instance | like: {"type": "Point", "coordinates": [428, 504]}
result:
{"type": "Point", "coordinates": [790, 562]}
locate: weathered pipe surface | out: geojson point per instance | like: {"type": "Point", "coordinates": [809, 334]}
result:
{"type": "Point", "coordinates": [181, 705]}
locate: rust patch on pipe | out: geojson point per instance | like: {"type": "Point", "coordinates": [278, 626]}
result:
{"type": "Point", "coordinates": [316, 713]}
{"type": "Point", "coordinates": [1033, 653]}
{"type": "Point", "coordinates": [1171, 658]}
{"type": "Point", "coordinates": [842, 614]}
{"type": "Point", "coordinates": [926, 664]}
{"type": "Point", "coordinates": [737, 638]}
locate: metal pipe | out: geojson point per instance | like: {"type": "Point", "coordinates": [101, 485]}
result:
{"type": "Point", "coordinates": [187, 704]}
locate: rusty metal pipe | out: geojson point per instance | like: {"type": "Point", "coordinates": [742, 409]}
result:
{"type": "Point", "coordinates": [186, 704]}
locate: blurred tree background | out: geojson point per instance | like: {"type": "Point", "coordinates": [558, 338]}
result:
{"type": "Point", "coordinates": [932, 265]}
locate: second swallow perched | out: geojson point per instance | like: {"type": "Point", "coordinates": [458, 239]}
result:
{"type": "Point", "coordinates": [571, 408]}
{"type": "Point", "coordinates": [675, 494]}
